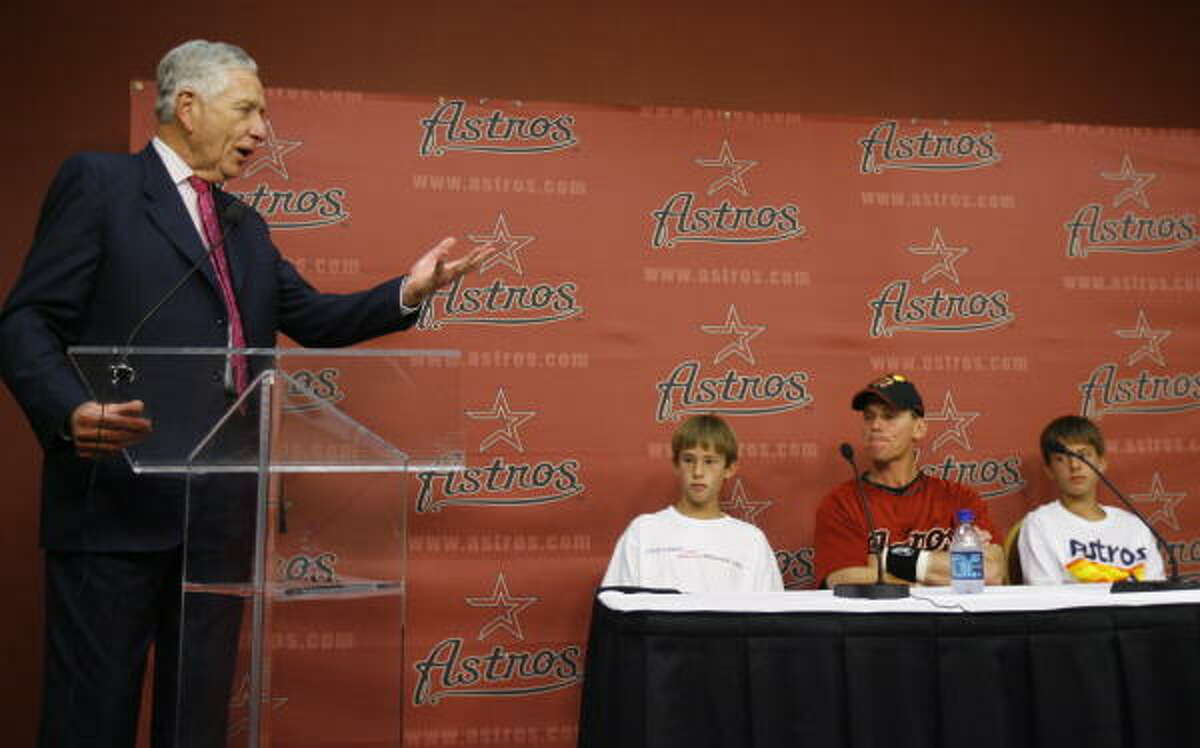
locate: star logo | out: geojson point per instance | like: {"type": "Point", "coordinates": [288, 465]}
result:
{"type": "Point", "coordinates": [1150, 349]}
{"type": "Point", "coordinates": [1136, 191]}
{"type": "Point", "coordinates": [511, 420]}
{"type": "Point", "coordinates": [741, 506]}
{"type": "Point", "coordinates": [743, 334]}
{"type": "Point", "coordinates": [271, 154]}
{"type": "Point", "coordinates": [736, 168]}
{"type": "Point", "coordinates": [506, 242]}
{"type": "Point", "coordinates": [241, 700]}
{"type": "Point", "coordinates": [1166, 501]}
{"type": "Point", "coordinates": [958, 422]}
{"type": "Point", "coordinates": [948, 256]}
{"type": "Point", "coordinates": [508, 605]}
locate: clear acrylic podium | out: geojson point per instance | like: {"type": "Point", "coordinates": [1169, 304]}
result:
{"type": "Point", "coordinates": [293, 523]}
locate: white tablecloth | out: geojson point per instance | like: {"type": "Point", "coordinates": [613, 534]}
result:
{"type": "Point", "coordinates": [923, 600]}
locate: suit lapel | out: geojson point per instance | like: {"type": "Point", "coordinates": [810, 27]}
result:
{"type": "Point", "coordinates": [167, 213]}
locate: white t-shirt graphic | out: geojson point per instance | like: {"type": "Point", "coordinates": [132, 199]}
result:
{"type": "Point", "coordinates": [1059, 547]}
{"type": "Point", "coordinates": [668, 549]}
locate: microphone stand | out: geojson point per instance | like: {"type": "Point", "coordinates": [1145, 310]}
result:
{"type": "Point", "coordinates": [1131, 583]}
{"type": "Point", "coordinates": [879, 589]}
{"type": "Point", "coordinates": [122, 372]}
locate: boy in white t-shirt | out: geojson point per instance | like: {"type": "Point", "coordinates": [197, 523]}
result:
{"type": "Point", "coordinates": [1077, 539]}
{"type": "Point", "coordinates": [692, 546]}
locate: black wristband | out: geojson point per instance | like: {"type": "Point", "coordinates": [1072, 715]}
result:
{"type": "Point", "coordinates": [902, 562]}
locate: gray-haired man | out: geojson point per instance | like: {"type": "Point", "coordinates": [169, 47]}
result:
{"type": "Point", "coordinates": [115, 234]}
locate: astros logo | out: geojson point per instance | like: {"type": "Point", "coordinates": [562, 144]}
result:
{"type": "Point", "coordinates": [449, 129]}
{"type": "Point", "coordinates": [449, 671]}
{"type": "Point", "coordinates": [885, 148]}
{"type": "Point", "coordinates": [1106, 392]}
{"type": "Point", "coordinates": [501, 483]}
{"type": "Point", "coordinates": [991, 476]}
{"type": "Point", "coordinates": [897, 308]}
{"type": "Point", "coordinates": [1089, 231]}
{"type": "Point", "coordinates": [682, 220]}
{"type": "Point", "coordinates": [289, 208]}
{"type": "Point", "coordinates": [733, 393]}
{"type": "Point", "coordinates": [501, 302]}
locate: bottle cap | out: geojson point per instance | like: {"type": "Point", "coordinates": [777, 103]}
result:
{"type": "Point", "coordinates": [964, 516]}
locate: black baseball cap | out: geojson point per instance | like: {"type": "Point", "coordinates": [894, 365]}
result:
{"type": "Point", "coordinates": [893, 389]}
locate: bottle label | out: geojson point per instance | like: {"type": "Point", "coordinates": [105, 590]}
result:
{"type": "Point", "coordinates": [966, 564]}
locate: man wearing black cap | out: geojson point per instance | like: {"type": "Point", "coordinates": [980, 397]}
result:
{"type": "Point", "coordinates": [913, 512]}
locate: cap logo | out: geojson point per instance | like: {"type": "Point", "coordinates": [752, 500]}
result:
{"type": "Point", "coordinates": [888, 380]}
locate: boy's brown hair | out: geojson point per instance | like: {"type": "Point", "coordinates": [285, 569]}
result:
{"type": "Point", "coordinates": [705, 431]}
{"type": "Point", "coordinates": [1076, 429]}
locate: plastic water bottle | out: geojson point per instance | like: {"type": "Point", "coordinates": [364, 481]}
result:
{"type": "Point", "coordinates": [966, 555]}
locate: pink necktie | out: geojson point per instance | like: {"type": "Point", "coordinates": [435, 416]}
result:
{"type": "Point", "coordinates": [212, 232]}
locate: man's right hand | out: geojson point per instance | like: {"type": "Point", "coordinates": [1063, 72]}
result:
{"type": "Point", "coordinates": [104, 430]}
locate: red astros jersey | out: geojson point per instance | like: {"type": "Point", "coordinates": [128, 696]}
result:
{"type": "Point", "coordinates": [920, 515]}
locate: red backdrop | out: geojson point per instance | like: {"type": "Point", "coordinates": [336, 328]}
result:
{"type": "Point", "coordinates": [659, 262]}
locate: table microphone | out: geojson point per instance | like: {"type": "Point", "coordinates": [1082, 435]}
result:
{"type": "Point", "coordinates": [122, 372]}
{"type": "Point", "coordinates": [879, 589]}
{"type": "Point", "coordinates": [1131, 584]}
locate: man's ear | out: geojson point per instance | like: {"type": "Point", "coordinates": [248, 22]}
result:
{"type": "Point", "coordinates": [185, 109]}
{"type": "Point", "coordinates": [920, 428]}
{"type": "Point", "coordinates": [731, 469]}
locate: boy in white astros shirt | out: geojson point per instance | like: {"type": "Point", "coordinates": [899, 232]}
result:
{"type": "Point", "coordinates": [692, 546]}
{"type": "Point", "coordinates": [1077, 539]}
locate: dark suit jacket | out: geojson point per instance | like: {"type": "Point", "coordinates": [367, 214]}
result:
{"type": "Point", "coordinates": [112, 239]}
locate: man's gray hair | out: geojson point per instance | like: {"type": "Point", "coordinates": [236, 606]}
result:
{"type": "Point", "coordinates": [200, 65]}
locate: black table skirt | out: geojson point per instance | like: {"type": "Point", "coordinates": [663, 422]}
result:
{"type": "Point", "coordinates": [1112, 677]}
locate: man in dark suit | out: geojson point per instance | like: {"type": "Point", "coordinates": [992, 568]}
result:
{"type": "Point", "coordinates": [116, 233]}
